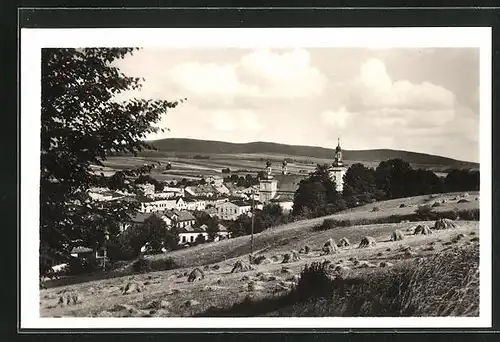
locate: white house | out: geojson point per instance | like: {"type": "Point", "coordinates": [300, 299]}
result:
{"type": "Point", "coordinates": [104, 194]}
{"type": "Point", "coordinates": [205, 190]}
{"type": "Point", "coordinates": [147, 189]}
{"type": "Point", "coordinates": [189, 234]}
{"type": "Point", "coordinates": [151, 206]}
{"type": "Point", "coordinates": [232, 209]}
{"type": "Point", "coordinates": [195, 204]}
{"type": "Point", "coordinates": [221, 189]}
{"type": "Point", "coordinates": [222, 234]}
{"type": "Point", "coordinates": [169, 192]}
{"type": "Point", "coordinates": [178, 219]}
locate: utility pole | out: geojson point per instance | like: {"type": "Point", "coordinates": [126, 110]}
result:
{"type": "Point", "coordinates": [106, 238]}
{"type": "Point", "coordinates": [253, 220]}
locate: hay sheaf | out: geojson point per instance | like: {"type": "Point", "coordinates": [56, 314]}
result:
{"type": "Point", "coordinates": [196, 274]}
{"type": "Point", "coordinates": [397, 235]}
{"type": "Point", "coordinates": [444, 223]}
{"type": "Point", "coordinates": [344, 242]}
{"type": "Point", "coordinates": [422, 229]}
{"type": "Point", "coordinates": [70, 298]}
{"type": "Point", "coordinates": [240, 266]}
{"type": "Point", "coordinates": [367, 241]}
{"type": "Point", "coordinates": [329, 247]}
{"type": "Point", "coordinates": [293, 256]}
{"type": "Point", "coordinates": [261, 260]}
{"type": "Point", "coordinates": [305, 250]}
{"type": "Point", "coordinates": [133, 286]}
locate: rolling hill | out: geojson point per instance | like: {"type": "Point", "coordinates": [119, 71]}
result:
{"type": "Point", "coordinates": [219, 147]}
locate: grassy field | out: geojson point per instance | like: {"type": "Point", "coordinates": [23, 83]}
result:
{"type": "Point", "coordinates": [173, 295]}
{"type": "Point", "coordinates": [184, 166]}
{"type": "Point", "coordinates": [222, 290]}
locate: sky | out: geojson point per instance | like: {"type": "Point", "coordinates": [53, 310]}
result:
{"type": "Point", "coordinates": [423, 100]}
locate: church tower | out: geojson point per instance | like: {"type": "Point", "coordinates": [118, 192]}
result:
{"type": "Point", "coordinates": [268, 186]}
{"type": "Point", "coordinates": [284, 169]}
{"type": "Point", "coordinates": [338, 169]}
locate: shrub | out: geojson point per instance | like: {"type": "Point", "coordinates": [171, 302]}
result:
{"type": "Point", "coordinates": [374, 209]}
{"type": "Point", "coordinates": [328, 224]}
{"type": "Point", "coordinates": [424, 212]}
{"type": "Point", "coordinates": [314, 281]}
{"type": "Point", "coordinates": [163, 264]}
{"type": "Point", "coordinates": [141, 265]}
{"type": "Point", "coordinates": [77, 266]}
{"type": "Point", "coordinates": [469, 215]}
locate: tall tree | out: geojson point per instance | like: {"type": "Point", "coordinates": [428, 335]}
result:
{"type": "Point", "coordinates": [391, 176]}
{"type": "Point", "coordinates": [359, 179]}
{"type": "Point", "coordinates": [82, 122]}
{"type": "Point", "coordinates": [315, 193]}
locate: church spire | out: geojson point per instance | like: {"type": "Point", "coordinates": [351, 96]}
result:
{"type": "Point", "coordinates": [338, 154]}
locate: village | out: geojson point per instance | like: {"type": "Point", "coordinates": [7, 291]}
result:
{"type": "Point", "coordinates": [226, 201]}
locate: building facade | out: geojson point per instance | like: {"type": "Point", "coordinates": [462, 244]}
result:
{"type": "Point", "coordinates": [232, 209]}
{"type": "Point", "coordinates": [338, 169]}
{"type": "Point", "coordinates": [268, 186]}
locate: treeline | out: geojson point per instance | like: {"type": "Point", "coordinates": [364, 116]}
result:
{"type": "Point", "coordinates": [394, 178]}
{"type": "Point", "coordinates": [243, 181]}
{"type": "Point", "coordinates": [271, 215]}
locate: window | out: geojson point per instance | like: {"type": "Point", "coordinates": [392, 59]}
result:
{"type": "Point", "coordinates": [191, 238]}
{"type": "Point", "coordinates": [183, 238]}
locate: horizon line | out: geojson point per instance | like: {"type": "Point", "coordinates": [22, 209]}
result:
{"type": "Point", "coordinates": [315, 146]}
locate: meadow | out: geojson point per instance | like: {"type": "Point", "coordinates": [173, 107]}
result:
{"type": "Point", "coordinates": [168, 293]}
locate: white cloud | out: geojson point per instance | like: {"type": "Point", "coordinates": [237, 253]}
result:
{"type": "Point", "coordinates": [336, 118]}
{"type": "Point", "coordinates": [223, 121]}
{"type": "Point", "coordinates": [378, 90]}
{"type": "Point", "coordinates": [259, 74]}
{"type": "Point", "coordinates": [284, 75]}
{"type": "Point", "coordinates": [249, 120]}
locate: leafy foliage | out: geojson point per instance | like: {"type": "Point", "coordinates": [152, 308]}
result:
{"type": "Point", "coordinates": [82, 122]}
{"type": "Point", "coordinates": [141, 265]}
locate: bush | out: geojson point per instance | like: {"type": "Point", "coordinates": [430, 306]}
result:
{"type": "Point", "coordinates": [314, 281]}
{"type": "Point", "coordinates": [445, 285]}
{"type": "Point", "coordinates": [77, 266]}
{"type": "Point", "coordinates": [163, 264]}
{"type": "Point", "coordinates": [424, 212]}
{"type": "Point", "coordinates": [141, 265]}
{"type": "Point", "coordinates": [375, 209]}
{"type": "Point", "coordinates": [327, 224]}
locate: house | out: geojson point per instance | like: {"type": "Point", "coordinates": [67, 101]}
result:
{"type": "Point", "coordinates": [221, 189]}
{"type": "Point", "coordinates": [235, 191]}
{"type": "Point", "coordinates": [232, 209]}
{"type": "Point", "coordinates": [178, 191]}
{"type": "Point", "coordinates": [215, 201]}
{"type": "Point", "coordinates": [285, 201]}
{"type": "Point", "coordinates": [188, 234]}
{"type": "Point", "coordinates": [205, 190]}
{"type": "Point", "coordinates": [151, 206]}
{"type": "Point", "coordinates": [170, 217]}
{"type": "Point", "coordinates": [104, 194]}
{"type": "Point", "coordinates": [137, 219]}
{"type": "Point", "coordinates": [169, 192]}
{"type": "Point", "coordinates": [147, 189]}
{"type": "Point", "coordinates": [83, 253]}
{"type": "Point", "coordinates": [194, 204]}
{"type": "Point", "coordinates": [212, 212]}
{"type": "Point", "coordinates": [215, 180]}
{"type": "Point", "coordinates": [222, 233]}
{"type": "Point", "coordinates": [178, 219]}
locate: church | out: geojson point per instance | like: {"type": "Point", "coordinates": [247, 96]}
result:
{"type": "Point", "coordinates": [280, 188]}
{"type": "Point", "coordinates": [338, 169]}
